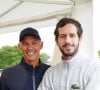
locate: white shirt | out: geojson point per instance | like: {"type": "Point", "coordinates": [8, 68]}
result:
{"type": "Point", "coordinates": [79, 72]}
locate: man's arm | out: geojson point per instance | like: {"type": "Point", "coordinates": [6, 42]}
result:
{"type": "Point", "coordinates": [94, 78]}
{"type": "Point", "coordinates": [46, 83]}
{"type": "Point", "coordinates": [3, 85]}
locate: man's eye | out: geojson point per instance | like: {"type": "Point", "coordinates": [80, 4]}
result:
{"type": "Point", "coordinates": [62, 36]}
{"type": "Point", "coordinates": [24, 43]}
{"type": "Point", "coordinates": [35, 42]}
{"type": "Point", "coordinates": [72, 35]}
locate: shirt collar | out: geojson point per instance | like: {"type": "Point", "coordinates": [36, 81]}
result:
{"type": "Point", "coordinates": [70, 63]}
{"type": "Point", "coordinates": [29, 66]}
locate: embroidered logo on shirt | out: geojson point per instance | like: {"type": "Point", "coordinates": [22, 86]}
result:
{"type": "Point", "coordinates": [74, 86]}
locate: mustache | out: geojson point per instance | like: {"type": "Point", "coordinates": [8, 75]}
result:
{"type": "Point", "coordinates": [67, 44]}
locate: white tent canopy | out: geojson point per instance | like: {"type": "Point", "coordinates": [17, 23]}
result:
{"type": "Point", "coordinates": [18, 14]}
{"type": "Point", "coordinates": [40, 13]}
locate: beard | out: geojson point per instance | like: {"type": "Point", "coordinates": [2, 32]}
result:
{"type": "Point", "coordinates": [69, 53]}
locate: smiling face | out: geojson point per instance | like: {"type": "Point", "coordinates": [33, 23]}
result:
{"type": "Point", "coordinates": [30, 47]}
{"type": "Point", "coordinates": [68, 40]}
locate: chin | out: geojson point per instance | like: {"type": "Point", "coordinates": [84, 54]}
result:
{"type": "Point", "coordinates": [31, 59]}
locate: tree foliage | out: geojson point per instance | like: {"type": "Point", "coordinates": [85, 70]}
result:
{"type": "Point", "coordinates": [11, 55]}
{"type": "Point", "coordinates": [99, 53]}
{"type": "Point", "coordinates": [44, 57]}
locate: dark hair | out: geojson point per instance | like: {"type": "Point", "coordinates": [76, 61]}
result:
{"type": "Point", "coordinates": [65, 21]}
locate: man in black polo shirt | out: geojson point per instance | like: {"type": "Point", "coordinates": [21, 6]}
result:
{"type": "Point", "coordinates": [28, 74]}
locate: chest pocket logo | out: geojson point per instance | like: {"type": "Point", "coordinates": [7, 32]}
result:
{"type": "Point", "coordinates": [75, 86]}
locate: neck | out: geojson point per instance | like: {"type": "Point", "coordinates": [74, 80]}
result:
{"type": "Point", "coordinates": [34, 63]}
{"type": "Point", "coordinates": [66, 58]}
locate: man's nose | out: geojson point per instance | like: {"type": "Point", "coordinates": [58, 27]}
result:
{"type": "Point", "coordinates": [67, 39]}
{"type": "Point", "coordinates": [30, 47]}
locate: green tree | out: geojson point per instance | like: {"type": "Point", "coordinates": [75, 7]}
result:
{"type": "Point", "coordinates": [11, 55]}
{"type": "Point", "coordinates": [44, 57]}
{"type": "Point", "coordinates": [99, 53]}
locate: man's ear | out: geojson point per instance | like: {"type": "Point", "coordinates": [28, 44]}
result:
{"type": "Point", "coordinates": [18, 45]}
{"type": "Point", "coordinates": [81, 37]}
{"type": "Point", "coordinates": [41, 45]}
{"type": "Point", "coordinates": [56, 41]}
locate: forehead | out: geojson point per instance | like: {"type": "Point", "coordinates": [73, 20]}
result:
{"type": "Point", "coordinates": [68, 28]}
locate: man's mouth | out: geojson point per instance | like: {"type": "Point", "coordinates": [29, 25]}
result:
{"type": "Point", "coordinates": [30, 52]}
